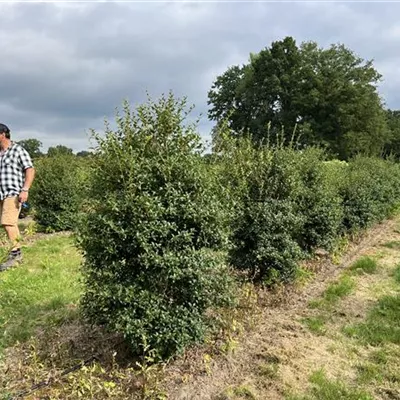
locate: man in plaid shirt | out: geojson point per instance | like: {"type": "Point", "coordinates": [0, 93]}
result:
{"type": "Point", "coordinates": [16, 177]}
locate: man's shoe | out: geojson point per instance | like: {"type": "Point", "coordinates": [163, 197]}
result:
{"type": "Point", "coordinates": [13, 260]}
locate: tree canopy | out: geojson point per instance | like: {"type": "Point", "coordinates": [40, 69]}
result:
{"type": "Point", "coordinates": [59, 150]}
{"type": "Point", "coordinates": [32, 146]}
{"type": "Point", "coordinates": [393, 122]}
{"type": "Point", "coordinates": [329, 95]}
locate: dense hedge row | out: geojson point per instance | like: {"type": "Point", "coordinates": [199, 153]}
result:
{"type": "Point", "coordinates": [292, 202]}
{"type": "Point", "coordinates": [161, 222]}
{"type": "Point", "coordinates": [59, 191]}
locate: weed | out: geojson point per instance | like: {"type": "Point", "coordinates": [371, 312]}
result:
{"type": "Point", "coordinates": [339, 248]}
{"type": "Point", "coordinates": [269, 371]}
{"type": "Point", "coordinates": [303, 276]}
{"type": "Point", "coordinates": [30, 229]}
{"type": "Point", "coordinates": [149, 374]}
{"type": "Point", "coordinates": [396, 273]}
{"type": "Point", "coordinates": [338, 290]}
{"type": "Point", "coordinates": [229, 346]}
{"type": "Point", "coordinates": [238, 392]}
{"type": "Point", "coordinates": [364, 265]}
{"type": "Point", "coordinates": [315, 324]}
{"type": "Point", "coordinates": [394, 244]}
{"type": "Point", "coordinates": [334, 293]}
{"type": "Point", "coordinates": [315, 303]}
{"type": "Point", "coordinates": [207, 360]}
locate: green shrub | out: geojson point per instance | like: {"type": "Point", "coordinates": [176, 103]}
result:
{"type": "Point", "coordinates": [319, 202]}
{"type": "Point", "coordinates": [316, 201]}
{"type": "Point", "coordinates": [57, 192]}
{"type": "Point", "coordinates": [152, 218]}
{"type": "Point", "coordinates": [264, 241]}
{"type": "Point", "coordinates": [265, 226]}
{"type": "Point", "coordinates": [284, 202]}
{"type": "Point", "coordinates": [370, 192]}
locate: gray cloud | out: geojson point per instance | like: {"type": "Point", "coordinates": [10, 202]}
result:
{"type": "Point", "coordinates": [64, 67]}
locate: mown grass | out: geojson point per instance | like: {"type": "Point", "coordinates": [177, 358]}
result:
{"type": "Point", "coordinates": [325, 389]}
{"type": "Point", "coordinates": [41, 292]}
{"type": "Point", "coordinates": [335, 292]}
{"type": "Point", "coordinates": [382, 324]}
{"type": "Point", "coordinates": [381, 366]}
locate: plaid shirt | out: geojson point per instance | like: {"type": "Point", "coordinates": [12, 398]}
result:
{"type": "Point", "coordinates": [13, 163]}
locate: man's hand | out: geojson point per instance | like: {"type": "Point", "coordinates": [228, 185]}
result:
{"type": "Point", "coordinates": [23, 197]}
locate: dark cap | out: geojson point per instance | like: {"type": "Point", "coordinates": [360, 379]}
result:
{"type": "Point", "coordinates": [4, 129]}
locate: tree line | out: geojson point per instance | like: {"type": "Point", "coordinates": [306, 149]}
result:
{"type": "Point", "coordinates": [34, 148]}
{"type": "Point", "coordinates": [324, 97]}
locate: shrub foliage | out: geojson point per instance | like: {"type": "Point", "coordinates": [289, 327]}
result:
{"type": "Point", "coordinates": [58, 192]}
{"type": "Point", "coordinates": [151, 222]}
{"type": "Point", "coordinates": [286, 203]}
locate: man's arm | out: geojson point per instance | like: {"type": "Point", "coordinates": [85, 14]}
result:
{"type": "Point", "coordinates": [29, 176]}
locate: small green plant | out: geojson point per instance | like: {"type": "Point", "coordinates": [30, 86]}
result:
{"type": "Point", "coordinates": [149, 374]}
{"type": "Point", "coordinates": [339, 247]}
{"type": "Point", "coordinates": [242, 392]}
{"type": "Point", "coordinates": [269, 371]}
{"type": "Point", "coordinates": [394, 244]}
{"type": "Point", "coordinates": [31, 229]}
{"type": "Point", "coordinates": [315, 303]}
{"type": "Point", "coordinates": [396, 274]}
{"type": "Point", "coordinates": [303, 276]}
{"type": "Point", "coordinates": [331, 296]}
{"type": "Point", "coordinates": [364, 265]}
{"type": "Point", "coordinates": [339, 289]}
{"type": "Point", "coordinates": [315, 324]}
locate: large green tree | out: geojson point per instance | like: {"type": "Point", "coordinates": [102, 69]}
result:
{"type": "Point", "coordinates": [59, 150]}
{"type": "Point", "coordinates": [393, 122]}
{"type": "Point", "coordinates": [329, 95]}
{"type": "Point", "coordinates": [32, 146]}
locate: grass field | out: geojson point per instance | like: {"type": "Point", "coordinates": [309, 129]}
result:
{"type": "Point", "coordinates": [43, 292]}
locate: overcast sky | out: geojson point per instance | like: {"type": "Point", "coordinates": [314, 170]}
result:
{"type": "Point", "coordinates": [66, 66]}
